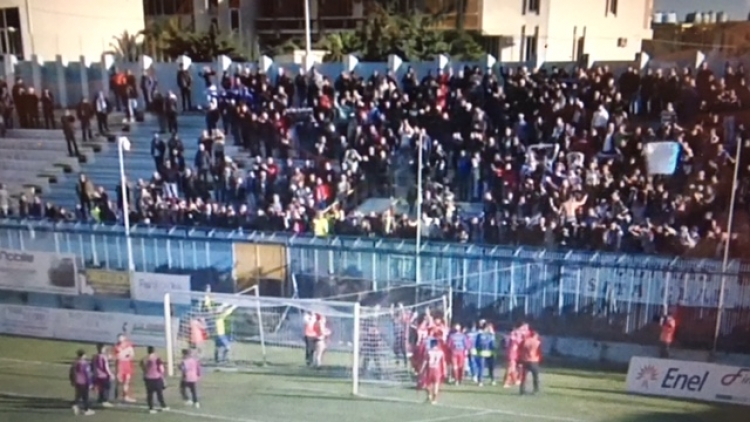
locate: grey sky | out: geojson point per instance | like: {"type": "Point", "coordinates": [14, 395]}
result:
{"type": "Point", "coordinates": [737, 9]}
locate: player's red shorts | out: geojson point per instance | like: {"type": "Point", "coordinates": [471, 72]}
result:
{"type": "Point", "coordinates": [434, 376]}
{"type": "Point", "coordinates": [124, 372]}
{"type": "Point", "coordinates": [458, 359]}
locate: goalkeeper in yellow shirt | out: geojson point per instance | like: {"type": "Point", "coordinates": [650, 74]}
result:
{"type": "Point", "coordinates": [220, 315]}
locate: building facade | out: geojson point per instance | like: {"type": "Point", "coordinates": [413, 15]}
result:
{"type": "Point", "coordinates": [566, 30]}
{"type": "Point", "coordinates": [514, 30]}
{"type": "Point", "coordinates": [70, 28]}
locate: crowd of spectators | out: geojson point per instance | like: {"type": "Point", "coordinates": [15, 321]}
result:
{"type": "Point", "coordinates": [554, 156]}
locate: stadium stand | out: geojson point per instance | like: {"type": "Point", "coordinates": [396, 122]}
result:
{"type": "Point", "coordinates": [547, 157]}
{"type": "Point", "coordinates": [552, 158]}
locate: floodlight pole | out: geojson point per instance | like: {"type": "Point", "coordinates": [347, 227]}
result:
{"type": "Point", "coordinates": [420, 193]}
{"type": "Point", "coordinates": [123, 144]}
{"type": "Point", "coordinates": [725, 260]}
{"type": "Point", "coordinates": [308, 31]}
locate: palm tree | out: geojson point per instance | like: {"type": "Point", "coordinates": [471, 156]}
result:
{"type": "Point", "coordinates": [157, 35]}
{"type": "Point", "coordinates": [339, 44]}
{"type": "Point", "coordinates": [127, 47]}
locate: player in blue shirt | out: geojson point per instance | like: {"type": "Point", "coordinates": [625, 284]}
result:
{"type": "Point", "coordinates": [485, 345]}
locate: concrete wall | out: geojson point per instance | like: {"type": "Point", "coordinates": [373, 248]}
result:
{"type": "Point", "coordinates": [561, 22]}
{"type": "Point", "coordinates": [74, 27]}
{"type": "Point", "coordinates": [71, 78]}
{"type": "Point", "coordinates": [620, 353]}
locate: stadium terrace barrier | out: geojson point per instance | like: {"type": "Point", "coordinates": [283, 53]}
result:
{"type": "Point", "coordinates": [612, 297]}
{"type": "Point", "coordinates": [86, 326]}
{"type": "Point", "coordinates": [70, 79]}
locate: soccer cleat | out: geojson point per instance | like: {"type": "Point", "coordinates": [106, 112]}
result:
{"type": "Point", "coordinates": [188, 402]}
{"type": "Point", "coordinates": [165, 409]}
{"type": "Point", "coordinates": [76, 410]}
{"type": "Point", "coordinates": [197, 405]}
{"type": "Point", "coordinates": [152, 411]}
{"type": "Point", "coordinates": [494, 383]}
{"type": "Point", "coordinates": [107, 404]}
{"type": "Point", "coordinates": [128, 400]}
{"type": "Point", "coordinates": [481, 384]}
{"type": "Point", "coordinates": [89, 412]}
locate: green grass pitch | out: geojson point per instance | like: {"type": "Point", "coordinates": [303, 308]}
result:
{"type": "Point", "coordinates": [34, 388]}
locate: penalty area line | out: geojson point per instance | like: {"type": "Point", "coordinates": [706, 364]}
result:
{"type": "Point", "coordinates": [453, 417]}
{"type": "Point", "coordinates": [483, 410]}
{"type": "Point", "coordinates": [188, 413]}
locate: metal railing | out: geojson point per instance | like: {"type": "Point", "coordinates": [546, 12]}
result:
{"type": "Point", "coordinates": [627, 291]}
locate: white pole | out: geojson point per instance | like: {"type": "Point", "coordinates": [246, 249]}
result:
{"type": "Point", "coordinates": [418, 259]}
{"type": "Point", "coordinates": [168, 334]}
{"type": "Point", "coordinates": [725, 260]}
{"type": "Point", "coordinates": [356, 347]}
{"type": "Point", "coordinates": [308, 31]}
{"type": "Point", "coordinates": [123, 144]}
{"type": "Point", "coordinates": [261, 331]}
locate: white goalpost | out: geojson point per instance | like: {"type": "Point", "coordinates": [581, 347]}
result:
{"type": "Point", "coordinates": [363, 346]}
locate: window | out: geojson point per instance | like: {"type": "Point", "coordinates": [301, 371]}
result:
{"type": "Point", "coordinates": [167, 7]}
{"type": "Point", "coordinates": [234, 20]}
{"type": "Point", "coordinates": [533, 6]}
{"type": "Point", "coordinates": [10, 32]}
{"type": "Point", "coordinates": [612, 7]}
{"type": "Point", "coordinates": [530, 47]}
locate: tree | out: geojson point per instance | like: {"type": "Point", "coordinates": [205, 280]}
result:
{"type": "Point", "coordinates": [201, 46]}
{"type": "Point", "coordinates": [127, 47]}
{"type": "Point", "coordinates": [413, 37]}
{"type": "Point", "coordinates": [338, 45]}
{"type": "Point", "coordinates": [285, 47]}
{"type": "Point", "coordinates": [157, 36]}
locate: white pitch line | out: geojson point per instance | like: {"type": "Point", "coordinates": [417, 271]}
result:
{"type": "Point", "coordinates": [483, 409]}
{"type": "Point", "coordinates": [453, 417]}
{"type": "Point", "coordinates": [387, 399]}
{"type": "Point", "coordinates": [172, 410]}
{"type": "Point", "coordinates": [464, 408]}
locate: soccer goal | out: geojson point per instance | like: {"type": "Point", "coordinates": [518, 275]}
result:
{"type": "Point", "coordinates": [363, 345]}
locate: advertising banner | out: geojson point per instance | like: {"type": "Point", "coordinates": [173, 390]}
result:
{"type": "Point", "coordinates": [689, 380]}
{"type": "Point", "coordinates": [255, 262]}
{"type": "Point", "coordinates": [151, 287]}
{"type": "Point", "coordinates": [85, 326]}
{"type": "Point", "coordinates": [38, 272]}
{"type": "Point", "coordinates": [108, 283]}
{"type": "Point", "coordinates": [26, 321]}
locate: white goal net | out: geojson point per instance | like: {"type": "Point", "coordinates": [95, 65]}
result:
{"type": "Point", "coordinates": [361, 345]}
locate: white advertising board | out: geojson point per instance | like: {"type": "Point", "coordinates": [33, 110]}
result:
{"type": "Point", "coordinates": [689, 380]}
{"type": "Point", "coordinates": [38, 272]}
{"type": "Point", "coordinates": [85, 326]}
{"type": "Point", "coordinates": [151, 287]}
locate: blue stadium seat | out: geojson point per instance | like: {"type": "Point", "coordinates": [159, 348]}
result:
{"type": "Point", "coordinates": [84, 303]}
{"type": "Point", "coordinates": [112, 304]}
{"type": "Point", "coordinates": [179, 310]}
{"type": "Point", "coordinates": [12, 298]}
{"type": "Point", "coordinates": [45, 300]}
{"type": "Point", "coordinates": [148, 308]}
